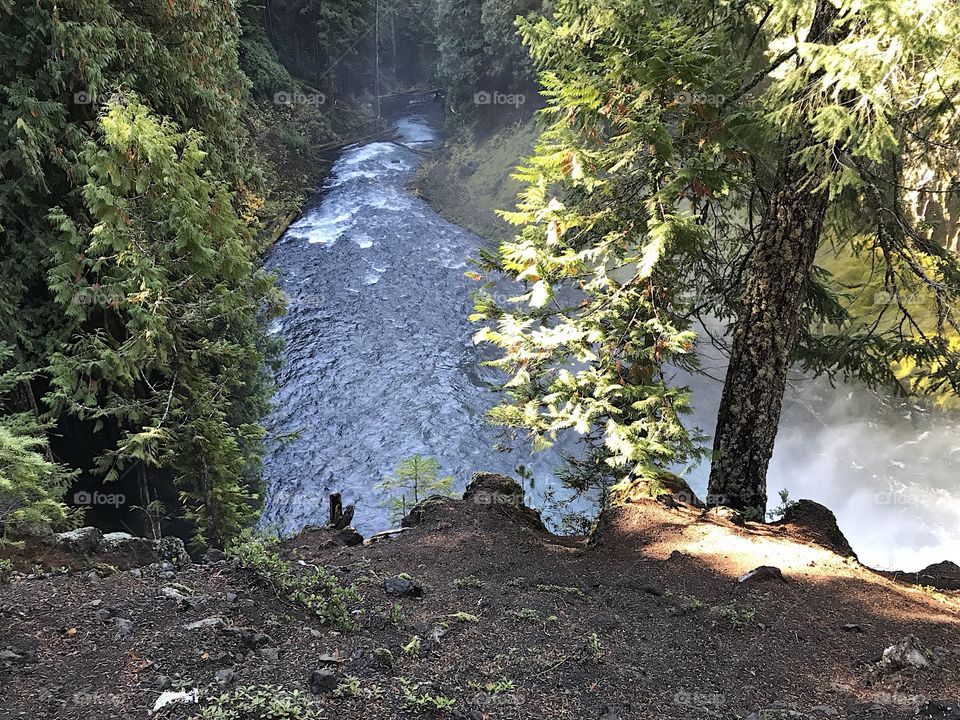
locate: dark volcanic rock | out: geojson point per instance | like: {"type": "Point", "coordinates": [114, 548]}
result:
{"type": "Point", "coordinates": [940, 710]}
{"type": "Point", "coordinates": [349, 537]}
{"type": "Point", "coordinates": [665, 483]}
{"type": "Point", "coordinates": [818, 524]}
{"type": "Point", "coordinates": [82, 541]}
{"type": "Point", "coordinates": [764, 572]}
{"type": "Point", "coordinates": [493, 488]}
{"type": "Point", "coordinates": [324, 681]}
{"type": "Point", "coordinates": [943, 576]}
{"type": "Point", "coordinates": [402, 587]}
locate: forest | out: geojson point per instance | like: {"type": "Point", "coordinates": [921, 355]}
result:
{"type": "Point", "coordinates": [282, 278]}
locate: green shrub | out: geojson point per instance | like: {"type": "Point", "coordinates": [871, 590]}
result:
{"type": "Point", "coordinates": [262, 702]}
{"type": "Point", "coordinates": [315, 588]}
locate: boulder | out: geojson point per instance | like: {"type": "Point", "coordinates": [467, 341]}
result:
{"type": "Point", "coordinates": [225, 676]}
{"type": "Point", "coordinates": [348, 537]}
{"type": "Point", "coordinates": [82, 541]}
{"type": "Point", "coordinates": [500, 491]}
{"type": "Point", "coordinates": [817, 524]}
{"type": "Point", "coordinates": [401, 586]}
{"type": "Point", "coordinates": [760, 574]}
{"type": "Point", "coordinates": [722, 512]}
{"type": "Point", "coordinates": [120, 549]}
{"type": "Point", "coordinates": [943, 576]}
{"type": "Point", "coordinates": [908, 653]}
{"type": "Point", "coordinates": [423, 510]}
{"type": "Point", "coordinates": [125, 628]}
{"type": "Point", "coordinates": [129, 549]}
{"type": "Point", "coordinates": [124, 549]}
{"type": "Point", "coordinates": [324, 681]}
{"type": "Point", "coordinates": [663, 484]}
{"type": "Point", "coordinates": [489, 488]}
{"type": "Point", "coordinates": [214, 555]}
{"type": "Point", "coordinates": [939, 710]}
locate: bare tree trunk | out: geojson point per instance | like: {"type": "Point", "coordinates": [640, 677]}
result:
{"type": "Point", "coordinates": [771, 318]}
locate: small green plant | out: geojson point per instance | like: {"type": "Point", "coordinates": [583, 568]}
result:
{"type": "Point", "coordinates": [736, 616]}
{"type": "Point", "coordinates": [494, 687]}
{"type": "Point", "coordinates": [416, 478]}
{"type": "Point", "coordinates": [464, 617]}
{"type": "Point", "coordinates": [6, 570]}
{"type": "Point", "coordinates": [412, 648]}
{"type": "Point", "coordinates": [261, 702]}
{"type": "Point", "coordinates": [688, 604]}
{"type": "Point", "coordinates": [595, 648]}
{"type": "Point", "coordinates": [933, 592]}
{"type": "Point", "coordinates": [468, 582]}
{"type": "Point", "coordinates": [397, 616]}
{"type": "Point", "coordinates": [786, 503]}
{"type": "Point", "coordinates": [315, 589]}
{"type": "Point", "coordinates": [525, 614]}
{"type": "Point", "coordinates": [413, 698]}
{"type": "Point", "coordinates": [351, 687]}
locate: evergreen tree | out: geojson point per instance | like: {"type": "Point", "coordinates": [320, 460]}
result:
{"type": "Point", "coordinates": [416, 478]}
{"type": "Point", "coordinates": [31, 487]}
{"type": "Point", "coordinates": [176, 362]}
{"type": "Point", "coordinates": [134, 297]}
{"type": "Point", "coordinates": [695, 159]}
{"type": "Point", "coordinates": [866, 80]}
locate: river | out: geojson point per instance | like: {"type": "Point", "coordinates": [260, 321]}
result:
{"type": "Point", "coordinates": [379, 365]}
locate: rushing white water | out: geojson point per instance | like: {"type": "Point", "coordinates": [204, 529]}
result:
{"type": "Point", "coordinates": [379, 362]}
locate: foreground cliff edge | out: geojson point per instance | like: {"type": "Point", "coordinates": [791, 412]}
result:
{"type": "Point", "coordinates": [474, 610]}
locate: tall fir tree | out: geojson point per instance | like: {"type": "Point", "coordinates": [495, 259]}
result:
{"type": "Point", "coordinates": [699, 161]}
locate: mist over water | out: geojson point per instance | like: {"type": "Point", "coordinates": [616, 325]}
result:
{"type": "Point", "coordinates": [888, 469]}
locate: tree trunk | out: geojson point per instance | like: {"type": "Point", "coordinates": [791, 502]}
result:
{"type": "Point", "coordinates": [763, 343]}
{"type": "Point", "coordinates": [771, 318]}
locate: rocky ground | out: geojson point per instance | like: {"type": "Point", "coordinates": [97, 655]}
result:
{"type": "Point", "coordinates": [475, 611]}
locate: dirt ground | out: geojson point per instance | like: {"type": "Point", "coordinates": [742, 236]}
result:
{"type": "Point", "coordinates": [645, 620]}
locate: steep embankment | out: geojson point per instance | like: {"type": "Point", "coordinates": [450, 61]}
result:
{"type": "Point", "coordinates": [479, 611]}
{"type": "Point", "coordinates": [470, 178]}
